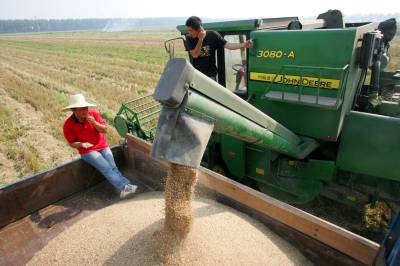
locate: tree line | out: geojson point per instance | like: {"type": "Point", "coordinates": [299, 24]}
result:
{"type": "Point", "coordinates": [40, 25]}
{"type": "Point", "coordinates": [107, 24]}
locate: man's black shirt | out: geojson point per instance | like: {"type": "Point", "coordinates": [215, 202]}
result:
{"type": "Point", "coordinates": [205, 63]}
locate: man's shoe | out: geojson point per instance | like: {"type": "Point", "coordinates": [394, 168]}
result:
{"type": "Point", "coordinates": [128, 191]}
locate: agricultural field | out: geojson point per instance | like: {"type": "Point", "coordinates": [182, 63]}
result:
{"type": "Point", "coordinates": [39, 71]}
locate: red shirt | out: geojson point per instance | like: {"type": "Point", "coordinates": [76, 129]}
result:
{"type": "Point", "coordinates": [75, 131]}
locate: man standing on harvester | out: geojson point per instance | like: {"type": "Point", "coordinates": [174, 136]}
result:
{"type": "Point", "coordinates": [203, 44]}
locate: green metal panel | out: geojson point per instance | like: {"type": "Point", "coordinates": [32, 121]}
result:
{"type": "Point", "coordinates": [291, 181]}
{"type": "Point", "coordinates": [245, 25]}
{"type": "Point", "coordinates": [258, 163]}
{"type": "Point", "coordinates": [302, 119]}
{"type": "Point", "coordinates": [122, 125]}
{"type": "Point", "coordinates": [312, 169]}
{"type": "Point", "coordinates": [370, 145]}
{"type": "Point", "coordinates": [318, 48]}
{"type": "Point", "coordinates": [286, 179]}
{"type": "Point", "coordinates": [235, 25]}
{"type": "Point", "coordinates": [233, 154]}
{"type": "Point", "coordinates": [305, 79]}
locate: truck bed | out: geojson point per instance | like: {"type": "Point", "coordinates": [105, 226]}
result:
{"type": "Point", "coordinates": [36, 209]}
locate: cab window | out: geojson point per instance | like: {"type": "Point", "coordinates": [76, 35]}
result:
{"type": "Point", "coordinates": [235, 65]}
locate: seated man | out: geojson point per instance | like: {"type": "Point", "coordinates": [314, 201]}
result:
{"type": "Point", "coordinates": [202, 46]}
{"type": "Point", "coordinates": [84, 130]}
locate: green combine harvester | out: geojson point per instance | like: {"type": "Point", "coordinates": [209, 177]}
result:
{"type": "Point", "coordinates": [308, 111]}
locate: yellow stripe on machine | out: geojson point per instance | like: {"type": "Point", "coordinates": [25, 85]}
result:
{"type": "Point", "coordinates": [324, 83]}
{"type": "Point", "coordinates": [260, 171]}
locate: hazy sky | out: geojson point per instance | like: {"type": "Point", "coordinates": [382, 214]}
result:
{"type": "Point", "coordinates": [18, 9]}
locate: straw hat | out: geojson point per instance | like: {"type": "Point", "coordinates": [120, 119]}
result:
{"type": "Point", "coordinates": [77, 101]}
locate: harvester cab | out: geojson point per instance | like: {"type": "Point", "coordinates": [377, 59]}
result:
{"type": "Point", "coordinates": [294, 116]}
{"type": "Point", "coordinates": [233, 64]}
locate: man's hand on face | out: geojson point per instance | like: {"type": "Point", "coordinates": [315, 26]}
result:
{"type": "Point", "coordinates": [86, 145]}
{"type": "Point", "coordinates": [202, 34]}
{"type": "Point", "coordinates": [90, 119]}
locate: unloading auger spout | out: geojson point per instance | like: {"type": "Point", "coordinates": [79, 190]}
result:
{"type": "Point", "coordinates": [193, 106]}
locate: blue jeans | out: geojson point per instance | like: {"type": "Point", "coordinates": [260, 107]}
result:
{"type": "Point", "coordinates": [104, 162]}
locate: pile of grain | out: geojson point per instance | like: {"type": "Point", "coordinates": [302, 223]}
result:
{"type": "Point", "coordinates": [127, 233]}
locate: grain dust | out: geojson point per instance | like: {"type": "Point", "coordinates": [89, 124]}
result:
{"type": "Point", "coordinates": [179, 187]}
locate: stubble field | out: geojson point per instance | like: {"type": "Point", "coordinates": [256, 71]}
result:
{"type": "Point", "coordinates": [39, 71]}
